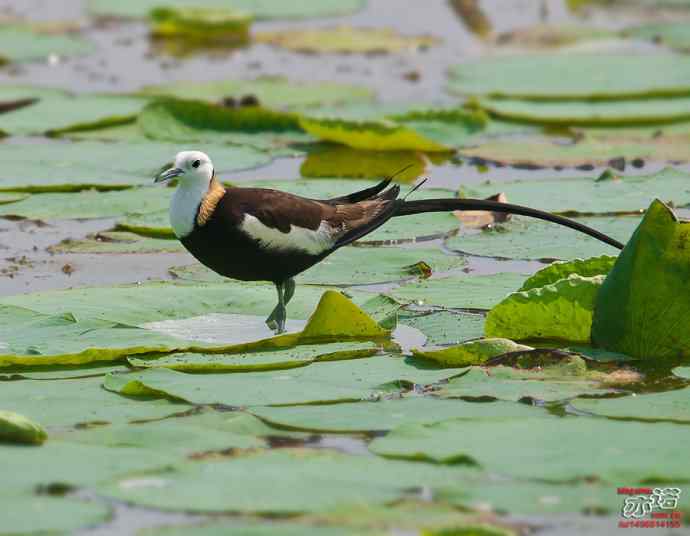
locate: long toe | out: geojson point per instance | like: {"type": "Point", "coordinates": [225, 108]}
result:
{"type": "Point", "coordinates": [272, 324]}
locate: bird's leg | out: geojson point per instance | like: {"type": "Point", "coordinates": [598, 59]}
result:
{"type": "Point", "coordinates": [289, 290]}
{"type": "Point", "coordinates": [276, 320]}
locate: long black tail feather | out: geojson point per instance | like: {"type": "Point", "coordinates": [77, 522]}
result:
{"type": "Point", "coordinates": [407, 208]}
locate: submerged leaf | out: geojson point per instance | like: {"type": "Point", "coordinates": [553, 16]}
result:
{"type": "Point", "coordinates": [561, 311]}
{"type": "Point", "coordinates": [642, 307]}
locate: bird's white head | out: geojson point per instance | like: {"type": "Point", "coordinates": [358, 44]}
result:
{"type": "Point", "coordinates": [191, 168]}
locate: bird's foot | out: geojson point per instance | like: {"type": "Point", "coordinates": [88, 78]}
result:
{"type": "Point", "coordinates": [276, 320]}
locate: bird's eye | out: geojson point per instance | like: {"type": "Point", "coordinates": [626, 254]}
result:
{"type": "Point", "coordinates": [196, 163]}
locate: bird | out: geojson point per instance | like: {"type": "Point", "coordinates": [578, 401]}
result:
{"type": "Point", "coordinates": [261, 234]}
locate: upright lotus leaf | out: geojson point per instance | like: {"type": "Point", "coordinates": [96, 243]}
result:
{"type": "Point", "coordinates": [224, 26]}
{"type": "Point", "coordinates": [470, 353]}
{"type": "Point", "coordinates": [561, 311]}
{"type": "Point", "coordinates": [272, 92]}
{"type": "Point", "coordinates": [562, 269]}
{"type": "Point", "coordinates": [576, 76]}
{"type": "Point", "coordinates": [15, 428]}
{"type": "Point", "coordinates": [265, 9]}
{"type": "Point", "coordinates": [337, 317]}
{"type": "Point", "coordinates": [642, 307]}
{"type": "Point", "coordinates": [345, 39]}
{"type": "Point", "coordinates": [22, 43]}
{"type": "Point", "coordinates": [185, 121]}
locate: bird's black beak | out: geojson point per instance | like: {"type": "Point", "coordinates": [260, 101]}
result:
{"type": "Point", "coordinates": [169, 174]}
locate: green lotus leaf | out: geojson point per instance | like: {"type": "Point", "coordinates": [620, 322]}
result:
{"type": "Point", "coordinates": [248, 528]}
{"type": "Point", "coordinates": [118, 242]}
{"type": "Point", "coordinates": [69, 167]}
{"type": "Point", "coordinates": [386, 414]}
{"type": "Point", "coordinates": [22, 43]}
{"type": "Point", "coordinates": [265, 9]}
{"type": "Point", "coordinates": [590, 149]}
{"type": "Point", "coordinates": [575, 76]}
{"type": "Point", "coordinates": [641, 308]}
{"type": "Point", "coordinates": [560, 311]}
{"type": "Point", "coordinates": [462, 291]}
{"type": "Point", "coordinates": [444, 327]}
{"type": "Point", "coordinates": [30, 513]}
{"type": "Point", "coordinates": [673, 34]}
{"type": "Point", "coordinates": [470, 353]}
{"type": "Point", "coordinates": [550, 383]}
{"type": "Point", "coordinates": [58, 112]}
{"type": "Point", "coordinates": [187, 121]}
{"type": "Point", "coordinates": [593, 113]}
{"type": "Point", "coordinates": [588, 196]}
{"type": "Point", "coordinates": [273, 92]}
{"type": "Point", "coordinates": [15, 428]}
{"type": "Point", "coordinates": [266, 482]}
{"type": "Point", "coordinates": [356, 266]}
{"type": "Point", "coordinates": [671, 406]}
{"type": "Point", "coordinates": [547, 448]}
{"type": "Point", "coordinates": [531, 239]}
{"type": "Point", "coordinates": [346, 40]}
{"type": "Point", "coordinates": [216, 25]}
{"type": "Point", "coordinates": [326, 381]}
{"type": "Point", "coordinates": [298, 356]}
{"type": "Point", "coordinates": [562, 269]}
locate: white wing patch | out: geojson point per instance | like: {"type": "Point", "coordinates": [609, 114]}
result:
{"type": "Point", "coordinates": [299, 238]}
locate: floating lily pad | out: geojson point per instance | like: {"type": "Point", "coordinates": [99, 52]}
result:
{"type": "Point", "coordinates": [550, 384]}
{"type": "Point", "coordinates": [547, 36]}
{"type": "Point", "coordinates": [356, 266]}
{"type": "Point", "coordinates": [445, 327]}
{"type": "Point", "coordinates": [22, 43]}
{"type": "Point", "coordinates": [118, 242]}
{"type": "Point", "coordinates": [466, 292]}
{"type": "Point", "coordinates": [470, 353]}
{"type": "Point", "coordinates": [60, 167]}
{"type": "Point", "coordinates": [265, 9]}
{"type": "Point", "coordinates": [590, 196]}
{"type": "Point", "coordinates": [187, 121]}
{"type": "Point", "coordinates": [555, 449]}
{"type": "Point", "coordinates": [298, 356]}
{"type": "Point", "coordinates": [285, 528]}
{"type": "Point", "coordinates": [616, 113]}
{"type": "Point", "coordinates": [577, 76]}
{"type": "Point", "coordinates": [673, 34]}
{"type": "Point", "coordinates": [526, 238]}
{"type": "Point", "coordinates": [345, 39]}
{"type": "Point", "coordinates": [336, 381]}
{"type": "Point", "coordinates": [273, 92]}
{"type": "Point", "coordinates": [31, 513]}
{"type": "Point", "coordinates": [671, 406]}
{"type": "Point", "coordinates": [386, 414]}
{"type": "Point", "coordinates": [648, 281]}
{"type": "Point", "coordinates": [590, 150]}
{"type": "Point", "coordinates": [63, 112]}
{"type": "Point", "coordinates": [6, 198]}
{"type": "Point", "coordinates": [560, 311]}
{"type": "Point", "coordinates": [266, 482]}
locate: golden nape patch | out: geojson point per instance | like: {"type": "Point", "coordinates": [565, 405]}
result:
{"type": "Point", "coordinates": [208, 204]}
